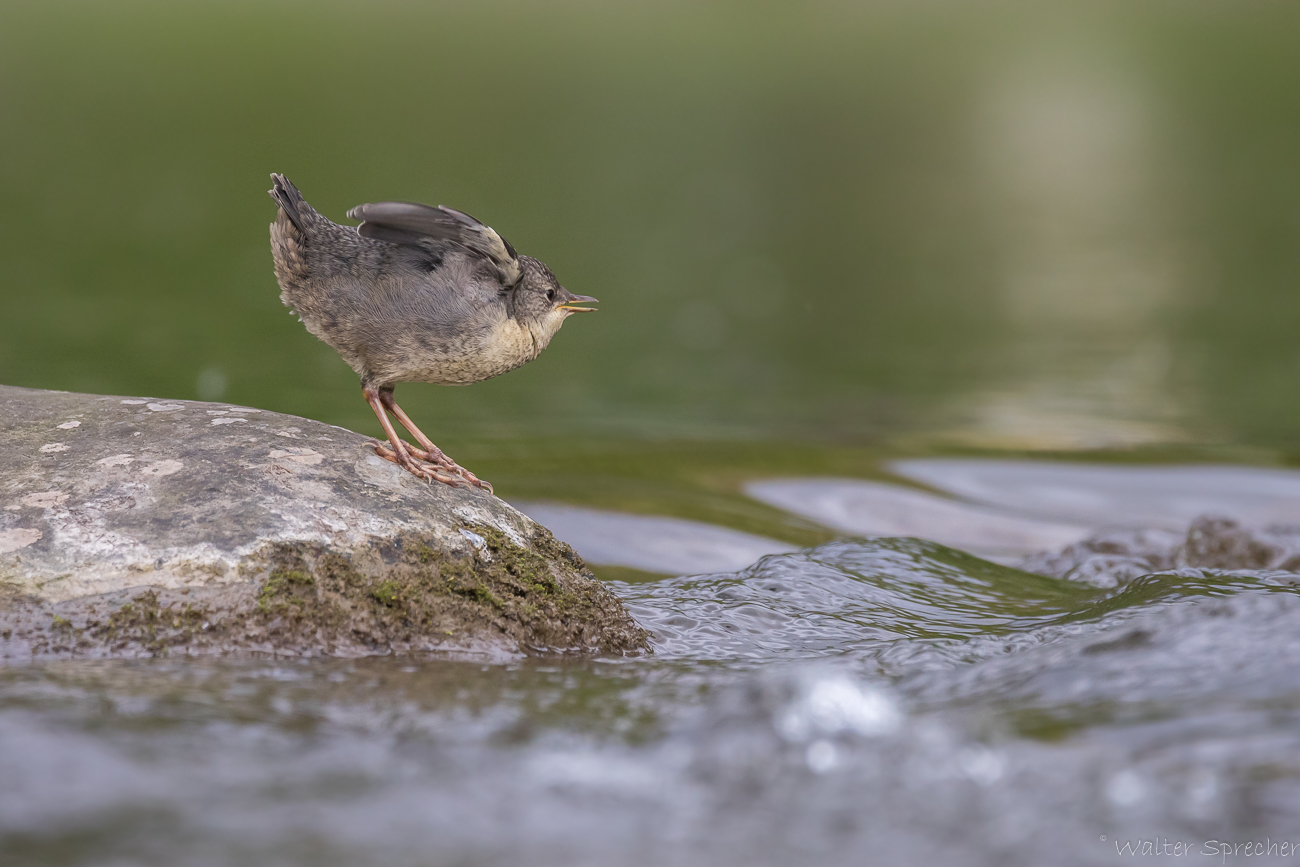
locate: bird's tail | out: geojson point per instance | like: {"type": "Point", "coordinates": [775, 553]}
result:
{"type": "Point", "coordinates": [295, 207]}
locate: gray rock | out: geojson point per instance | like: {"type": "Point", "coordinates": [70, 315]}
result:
{"type": "Point", "coordinates": [1114, 558]}
{"type": "Point", "coordinates": [134, 526]}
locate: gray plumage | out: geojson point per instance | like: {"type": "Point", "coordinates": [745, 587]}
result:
{"type": "Point", "coordinates": [414, 294]}
{"type": "Point", "coordinates": [411, 223]}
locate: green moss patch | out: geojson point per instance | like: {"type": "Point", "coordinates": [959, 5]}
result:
{"type": "Point", "coordinates": [147, 625]}
{"type": "Point", "coordinates": [407, 595]}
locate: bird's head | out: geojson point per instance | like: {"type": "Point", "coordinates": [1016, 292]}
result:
{"type": "Point", "coordinates": [541, 302]}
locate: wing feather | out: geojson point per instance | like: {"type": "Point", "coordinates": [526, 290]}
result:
{"type": "Point", "coordinates": [409, 223]}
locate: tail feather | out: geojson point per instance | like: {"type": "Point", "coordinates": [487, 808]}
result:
{"type": "Point", "coordinates": [289, 236]}
{"type": "Point", "coordinates": [286, 195]}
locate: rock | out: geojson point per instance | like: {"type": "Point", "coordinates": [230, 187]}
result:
{"type": "Point", "coordinates": [1114, 558]}
{"type": "Point", "coordinates": [1215, 542]}
{"type": "Point", "coordinates": [138, 527]}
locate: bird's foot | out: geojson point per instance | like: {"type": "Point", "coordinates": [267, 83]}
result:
{"type": "Point", "coordinates": [431, 465]}
{"type": "Point", "coordinates": [438, 457]}
{"type": "Point", "coordinates": [418, 468]}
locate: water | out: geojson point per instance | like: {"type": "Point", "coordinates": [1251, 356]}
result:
{"type": "Point", "coordinates": [872, 701]}
{"type": "Point", "coordinates": [988, 224]}
{"type": "Point", "coordinates": [857, 262]}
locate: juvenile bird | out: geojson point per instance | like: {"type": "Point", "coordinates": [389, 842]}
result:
{"type": "Point", "coordinates": [414, 294]}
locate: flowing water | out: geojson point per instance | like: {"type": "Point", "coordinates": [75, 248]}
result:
{"type": "Point", "coordinates": [886, 700]}
{"type": "Point", "coordinates": [938, 422]}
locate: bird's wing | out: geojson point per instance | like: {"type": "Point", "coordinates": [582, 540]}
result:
{"type": "Point", "coordinates": [410, 223]}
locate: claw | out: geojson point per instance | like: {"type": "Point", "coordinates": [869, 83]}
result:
{"type": "Point", "coordinates": [439, 459]}
{"type": "Point", "coordinates": [446, 463]}
{"type": "Point", "coordinates": [473, 479]}
{"type": "Point", "coordinates": [428, 474]}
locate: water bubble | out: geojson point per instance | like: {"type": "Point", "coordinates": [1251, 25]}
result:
{"type": "Point", "coordinates": [211, 384]}
{"type": "Point", "coordinates": [821, 756]}
{"type": "Point", "coordinates": [1125, 789]}
{"type": "Point", "coordinates": [981, 765]}
{"type": "Point", "coordinates": [837, 705]}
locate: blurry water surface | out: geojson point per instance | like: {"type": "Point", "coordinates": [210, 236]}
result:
{"type": "Point", "coordinates": [825, 236]}
{"type": "Point", "coordinates": [1066, 227]}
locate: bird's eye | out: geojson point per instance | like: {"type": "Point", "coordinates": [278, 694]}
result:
{"type": "Point", "coordinates": [550, 294]}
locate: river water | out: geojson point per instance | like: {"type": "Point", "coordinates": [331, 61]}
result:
{"type": "Point", "coordinates": [868, 700]}
{"type": "Point", "coordinates": [939, 421]}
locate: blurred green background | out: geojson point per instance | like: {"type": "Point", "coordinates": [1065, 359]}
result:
{"type": "Point", "coordinates": [988, 225]}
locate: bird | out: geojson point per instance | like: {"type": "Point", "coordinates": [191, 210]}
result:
{"type": "Point", "coordinates": [415, 293]}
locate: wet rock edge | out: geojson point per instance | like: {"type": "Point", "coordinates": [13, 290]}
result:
{"type": "Point", "coordinates": [392, 596]}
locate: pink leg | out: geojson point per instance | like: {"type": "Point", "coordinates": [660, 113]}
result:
{"type": "Point", "coordinates": [431, 453]}
{"type": "Point", "coordinates": [400, 453]}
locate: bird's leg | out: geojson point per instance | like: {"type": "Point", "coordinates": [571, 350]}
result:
{"type": "Point", "coordinates": [400, 453]}
{"type": "Point", "coordinates": [431, 453]}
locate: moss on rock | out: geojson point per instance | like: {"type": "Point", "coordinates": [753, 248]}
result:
{"type": "Point", "coordinates": [405, 595]}
{"type": "Point", "coordinates": [396, 596]}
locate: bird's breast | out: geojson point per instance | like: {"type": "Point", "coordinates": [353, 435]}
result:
{"type": "Point", "coordinates": [476, 354]}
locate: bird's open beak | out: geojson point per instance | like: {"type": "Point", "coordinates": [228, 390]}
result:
{"type": "Point", "coordinates": [569, 304]}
